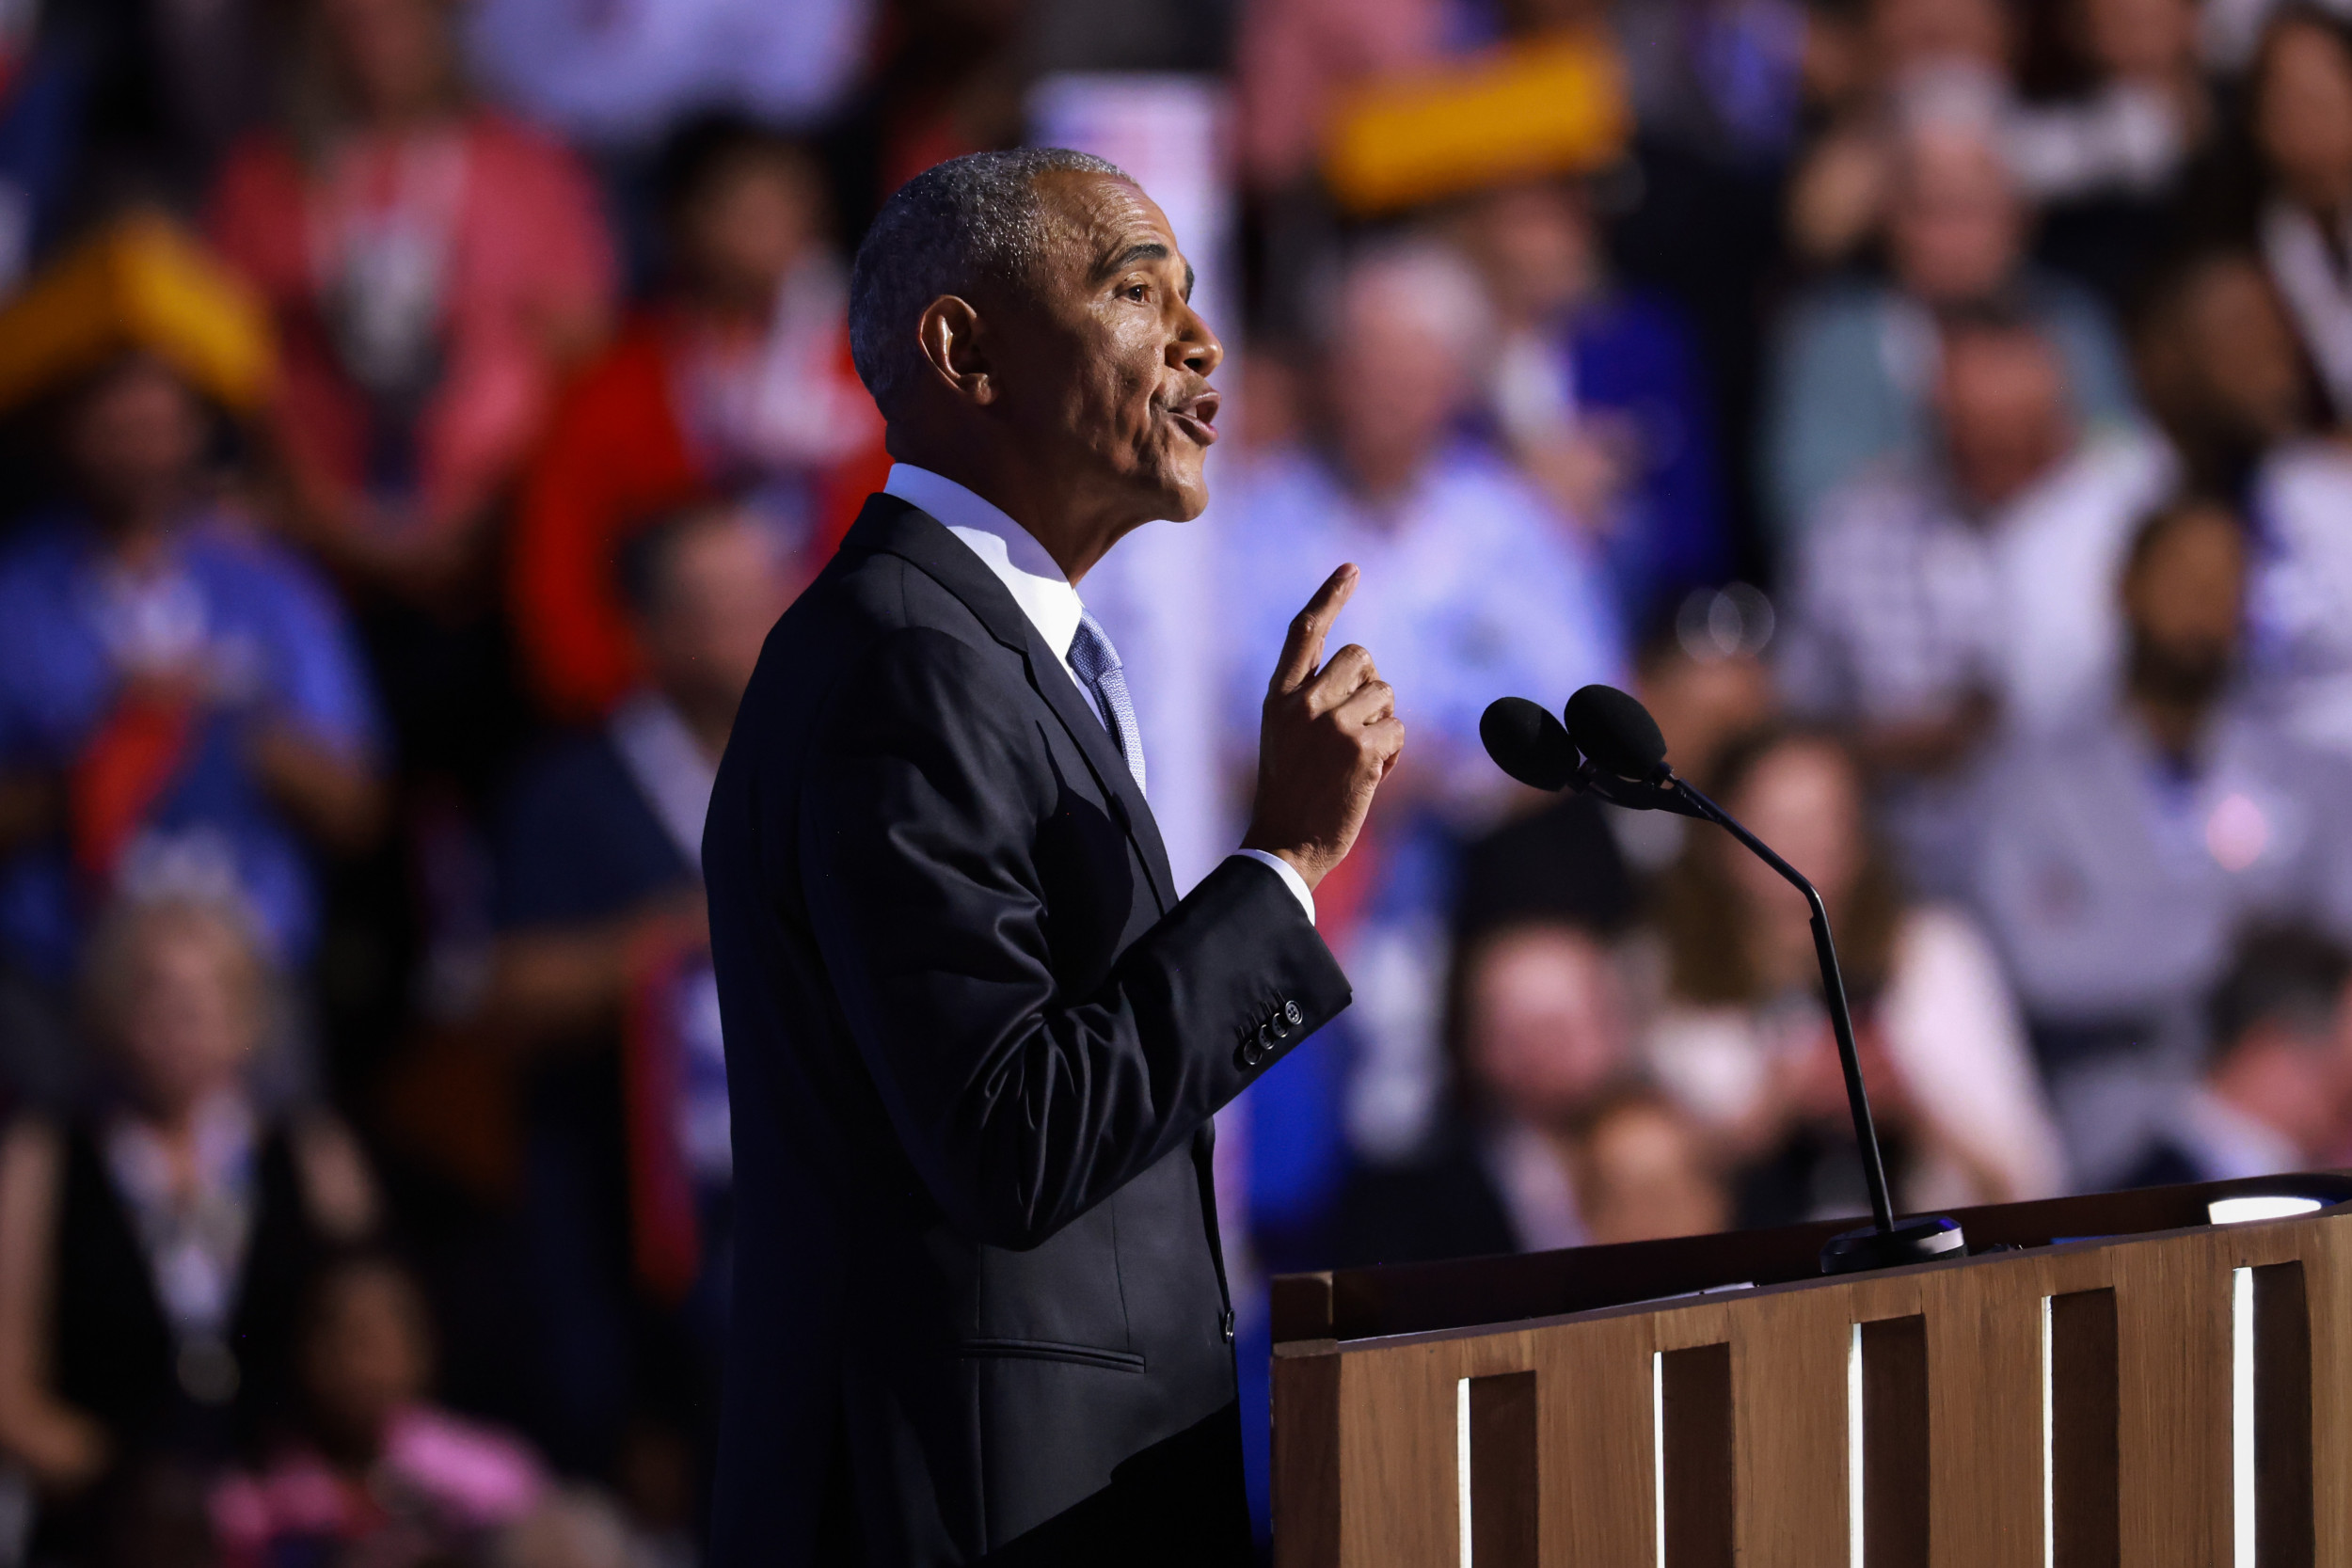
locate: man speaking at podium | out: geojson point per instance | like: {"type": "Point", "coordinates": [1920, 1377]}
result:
{"type": "Point", "coordinates": [974, 1038]}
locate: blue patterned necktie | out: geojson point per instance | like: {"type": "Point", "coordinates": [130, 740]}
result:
{"type": "Point", "coordinates": [1096, 662]}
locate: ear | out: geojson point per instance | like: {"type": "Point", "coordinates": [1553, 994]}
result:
{"type": "Point", "coordinates": [953, 342]}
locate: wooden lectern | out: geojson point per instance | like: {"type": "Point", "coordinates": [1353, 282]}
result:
{"type": "Point", "coordinates": [2103, 1381]}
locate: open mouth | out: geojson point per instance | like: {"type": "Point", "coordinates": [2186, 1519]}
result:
{"type": "Point", "coordinates": [1197, 415]}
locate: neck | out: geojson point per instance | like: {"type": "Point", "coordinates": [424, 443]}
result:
{"type": "Point", "coordinates": [734, 310]}
{"type": "Point", "coordinates": [2266, 1099]}
{"type": "Point", "coordinates": [406, 115]}
{"type": "Point", "coordinates": [353, 1452]}
{"type": "Point", "coordinates": [1380, 473]}
{"type": "Point", "coordinates": [136, 531]}
{"type": "Point", "coordinates": [175, 1124]}
{"type": "Point", "coordinates": [1992, 486]}
{"type": "Point", "coordinates": [1076, 530]}
{"type": "Point", "coordinates": [2174, 723]}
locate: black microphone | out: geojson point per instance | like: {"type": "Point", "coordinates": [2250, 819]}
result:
{"type": "Point", "coordinates": [1626, 761]}
{"type": "Point", "coordinates": [1528, 743]}
{"type": "Point", "coordinates": [1617, 732]}
{"type": "Point", "coordinates": [1533, 747]}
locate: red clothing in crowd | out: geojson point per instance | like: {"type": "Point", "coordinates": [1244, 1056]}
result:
{"type": "Point", "coordinates": [439, 279]}
{"type": "Point", "coordinates": [622, 454]}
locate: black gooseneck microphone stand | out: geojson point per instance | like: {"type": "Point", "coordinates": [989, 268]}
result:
{"type": "Point", "coordinates": [1537, 750]}
{"type": "Point", "coordinates": [1888, 1242]}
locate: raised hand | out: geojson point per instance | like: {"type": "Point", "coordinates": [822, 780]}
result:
{"type": "Point", "coordinates": [1327, 737]}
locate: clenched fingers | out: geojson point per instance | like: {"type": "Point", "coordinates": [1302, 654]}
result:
{"type": "Point", "coordinates": [1371, 702]}
{"type": "Point", "coordinates": [1302, 650]}
{"type": "Point", "coordinates": [1341, 679]}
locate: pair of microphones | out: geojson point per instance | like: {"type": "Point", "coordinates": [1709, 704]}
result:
{"type": "Point", "coordinates": [1605, 744]}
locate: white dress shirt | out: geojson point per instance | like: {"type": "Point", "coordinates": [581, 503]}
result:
{"type": "Point", "coordinates": [1038, 586]}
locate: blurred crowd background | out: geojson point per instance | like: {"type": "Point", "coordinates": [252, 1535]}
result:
{"type": "Point", "coordinates": [414, 412]}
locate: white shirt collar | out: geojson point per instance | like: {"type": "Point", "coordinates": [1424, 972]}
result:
{"type": "Point", "coordinates": [1008, 549]}
{"type": "Point", "coordinates": [1036, 584]}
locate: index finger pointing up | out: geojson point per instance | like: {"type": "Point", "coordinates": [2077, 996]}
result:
{"type": "Point", "coordinates": [1302, 651]}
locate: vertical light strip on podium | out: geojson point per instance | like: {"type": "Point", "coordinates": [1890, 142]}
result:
{"type": "Point", "coordinates": [1497, 1469]}
{"type": "Point", "coordinates": [1462, 1462]}
{"type": "Point", "coordinates": [2242, 1415]}
{"type": "Point", "coordinates": [1854, 1495]}
{"type": "Point", "coordinates": [1658, 1444]}
{"type": "Point", "coordinates": [2049, 1448]}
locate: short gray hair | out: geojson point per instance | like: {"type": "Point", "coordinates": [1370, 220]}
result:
{"type": "Point", "coordinates": [952, 230]}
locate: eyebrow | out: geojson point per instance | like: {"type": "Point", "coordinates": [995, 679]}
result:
{"type": "Point", "coordinates": [1148, 250]}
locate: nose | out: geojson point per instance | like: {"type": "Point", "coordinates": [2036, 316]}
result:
{"type": "Point", "coordinates": [1194, 348]}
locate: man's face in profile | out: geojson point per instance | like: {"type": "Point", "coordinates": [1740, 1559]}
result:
{"type": "Point", "coordinates": [1107, 365]}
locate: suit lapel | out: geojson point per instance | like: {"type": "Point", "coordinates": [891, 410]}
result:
{"type": "Point", "coordinates": [1070, 705]}
{"type": "Point", "coordinates": [891, 525]}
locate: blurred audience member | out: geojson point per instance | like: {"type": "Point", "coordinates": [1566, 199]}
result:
{"type": "Point", "coordinates": [2300, 115]}
{"type": "Point", "coordinates": [2299, 608]}
{"type": "Point", "coordinates": [1644, 1168]}
{"type": "Point", "coordinates": [373, 1472]}
{"type": "Point", "coordinates": [2221, 369]}
{"type": "Point", "coordinates": [151, 1250]}
{"type": "Point", "coordinates": [180, 702]}
{"type": "Point", "coordinates": [1556, 866]}
{"type": "Point", "coordinates": [1703, 677]}
{"type": "Point", "coordinates": [1721, 80]}
{"type": "Point", "coordinates": [1598, 391]}
{"type": "Point", "coordinates": [1744, 1042]}
{"type": "Point", "coordinates": [737, 381]}
{"type": "Point", "coordinates": [1945, 597]}
{"type": "Point", "coordinates": [1944, 600]}
{"type": "Point", "coordinates": [1857, 69]}
{"type": "Point", "coordinates": [2277, 1077]}
{"type": "Point", "coordinates": [432, 265]}
{"type": "Point", "coordinates": [1909, 37]}
{"type": "Point", "coordinates": [578, 1527]}
{"type": "Point", "coordinates": [603, 973]}
{"type": "Point", "coordinates": [43, 86]}
{"type": "Point", "coordinates": [1297, 59]}
{"type": "Point", "coordinates": [1540, 1028]}
{"type": "Point", "coordinates": [616, 77]}
{"type": "Point", "coordinates": [153, 1513]}
{"type": "Point", "coordinates": [1857, 358]}
{"type": "Point", "coordinates": [2105, 159]}
{"type": "Point", "coordinates": [1472, 587]}
{"type": "Point", "coordinates": [2120, 854]}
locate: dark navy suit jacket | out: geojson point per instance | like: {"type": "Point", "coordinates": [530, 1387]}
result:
{"type": "Point", "coordinates": [973, 1041]}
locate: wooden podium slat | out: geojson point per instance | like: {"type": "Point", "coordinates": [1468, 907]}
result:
{"type": "Point", "coordinates": [1788, 1420]}
{"type": "Point", "coordinates": [1594, 1389]}
{"type": "Point", "coordinates": [1370, 1471]}
{"type": "Point", "coordinates": [1984, 1389]}
{"type": "Point", "coordinates": [2172, 1358]}
{"type": "Point", "coordinates": [2327, 1294]}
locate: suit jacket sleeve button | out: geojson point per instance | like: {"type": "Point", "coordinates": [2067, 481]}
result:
{"type": "Point", "coordinates": [1289, 1010]}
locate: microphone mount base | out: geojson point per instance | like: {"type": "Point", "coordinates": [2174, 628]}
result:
{"type": "Point", "coordinates": [1921, 1239]}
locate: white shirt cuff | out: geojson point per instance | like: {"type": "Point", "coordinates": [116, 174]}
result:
{"type": "Point", "coordinates": [1290, 879]}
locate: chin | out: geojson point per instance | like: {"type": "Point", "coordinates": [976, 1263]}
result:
{"type": "Point", "coordinates": [1184, 493]}
{"type": "Point", "coordinates": [1186, 504]}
